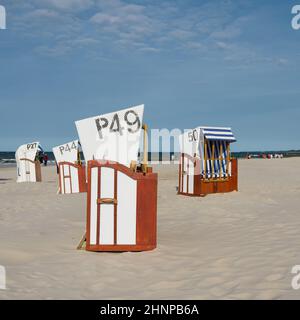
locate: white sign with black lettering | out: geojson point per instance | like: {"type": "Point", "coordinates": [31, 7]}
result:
{"type": "Point", "coordinates": [27, 151]}
{"type": "Point", "coordinates": [189, 142]}
{"type": "Point", "coordinates": [25, 155]}
{"type": "Point", "coordinates": [67, 152]}
{"type": "Point", "coordinates": [114, 136]}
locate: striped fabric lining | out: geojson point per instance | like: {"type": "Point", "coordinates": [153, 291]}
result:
{"type": "Point", "coordinates": [224, 134]}
{"type": "Point", "coordinates": [216, 164]}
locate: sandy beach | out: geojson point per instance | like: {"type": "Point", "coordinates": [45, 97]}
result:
{"type": "Point", "coordinates": [240, 245]}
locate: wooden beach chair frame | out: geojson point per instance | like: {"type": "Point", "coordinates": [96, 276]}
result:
{"type": "Point", "coordinates": [145, 207]}
{"type": "Point", "coordinates": [143, 184]}
{"type": "Point", "coordinates": [67, 178]}
{"type": "Point", "coordinates": [38, 171]}
{"type": "Point", "coordinates": [206, 182]}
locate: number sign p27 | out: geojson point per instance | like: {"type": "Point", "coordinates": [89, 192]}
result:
{"type": "Point", "coordinates": [114, 136]}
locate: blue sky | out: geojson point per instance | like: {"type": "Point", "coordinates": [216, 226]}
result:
{"type": "Point", "coordinates": [223, 63]}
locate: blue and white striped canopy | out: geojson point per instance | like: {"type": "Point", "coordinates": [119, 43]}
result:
{"type": "Point", "coordinates": [216, 133]}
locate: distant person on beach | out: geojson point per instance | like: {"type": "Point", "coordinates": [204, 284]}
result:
{"type": "Point", "coordinates": [40, 157]}
{"type": "Point", "coordinates": [45, 159]}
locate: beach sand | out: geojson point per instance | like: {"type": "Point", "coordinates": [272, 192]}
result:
{"type": "Point", "coordinates": [240, 245]}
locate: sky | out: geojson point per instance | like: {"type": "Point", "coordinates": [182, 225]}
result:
{"type": "Point", "coordinates": [191, 62]}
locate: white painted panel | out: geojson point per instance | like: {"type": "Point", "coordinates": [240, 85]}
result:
{"type": "Point", "coordinates": [20, 171]}
{"type": "Point", "coordinates": [180, 179]}
{"type": "Point", "coordinates": [32, 174]}
{"type": "Point", "coordinates": [191, 177]}
{"type": "Point", "coordinates": [107, 183]}
{"type": "Point", "coordinates": [184, 180]}
{"type": "Point", "coordinates": [23, 168]}
{"type": "Point", "coordinates": [67, 181]}
{"type": "Point", "coordinates": [67, 185]}
{"type": "Point", "coordinates": [75, 179]}
{"type": "Point", "coordinates": [27, 170]}
{"type": "Point", "coordinates": [62, 181]}
{"type": "Point", "coordinates": [66, 170]}
{"type": "Point", "coordinates": [107, 210]}
{"type": "Point", "coordinates": [126, 214]}
{"type": "Point", "coordinates": [106, 224]}
{"type": "Point", "coordinates": [93, 215]}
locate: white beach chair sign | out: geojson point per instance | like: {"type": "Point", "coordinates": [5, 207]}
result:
{"type": "Point", "coordinates": [67, 152]}
{"type": "Point", "coordinates": [114, 136]}
{"type": "Point", "coordinates": [28, 170]}
{"type": "Point", "coordinates": [72, 178]}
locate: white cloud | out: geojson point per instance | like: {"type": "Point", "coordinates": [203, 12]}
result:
{"type": "Point", "coordinates": [194, 45]}
{"type": "Point", "coordinates": [56, 51]}
{"type": "Point", "coordinates": [103, 18]}
{"type": "Point", "coordinates": [42, 13]}
{"type": "Point", "coordinates": [59, 27]}
{"type": "Point", "coordinates": [282, 61]}
{"type": "Point", "coordinates": [84, 42]}
{"type": "Point", "coordinates": [121, 18]}
{"type": "Point", "coordinates": [71, 5]}
{"type": "Point", "coordinates": [231, 30]}
{"type": "Point", "coordinates": [149, 49]}
{"type": "Point", "coordinates": [223, 45]}
{"type": "Point", "coordinates": [182, 34]}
